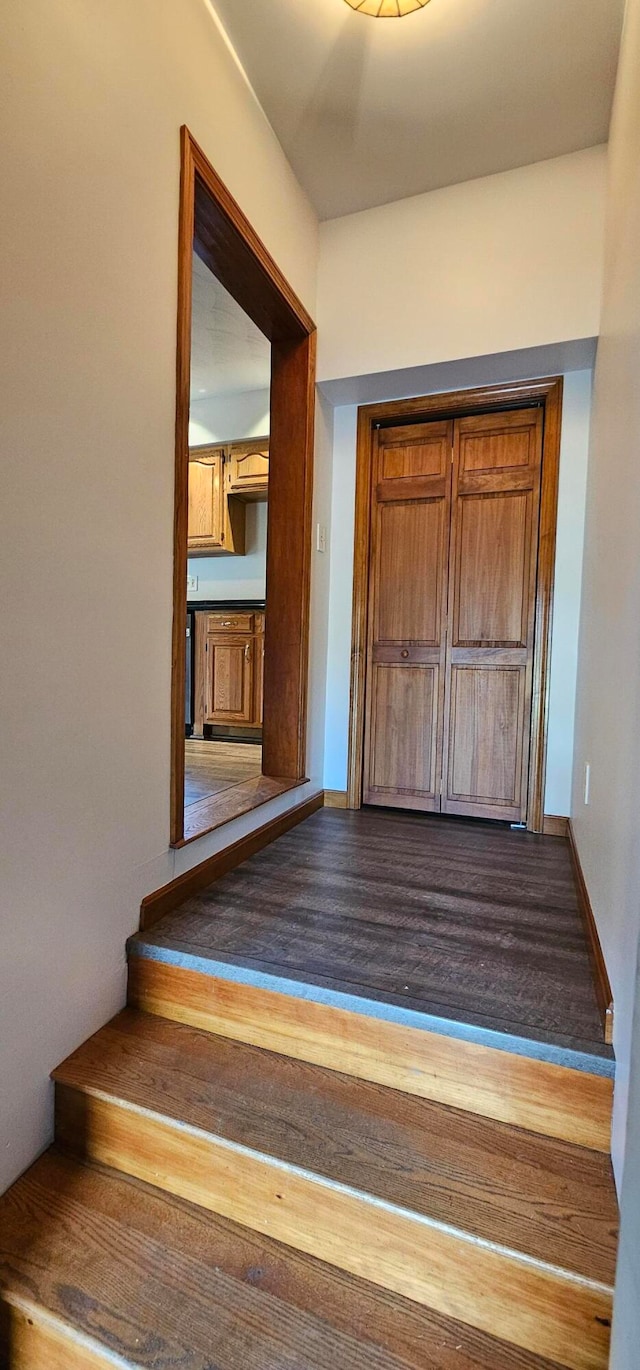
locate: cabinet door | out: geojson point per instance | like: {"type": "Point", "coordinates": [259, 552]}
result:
{"type": "Point", "coordinates": [248, 469]}
{"type": "Point", "coordinates": [229, 678]}
{"type": "Point", "coordinates": [216, 523]}
{"type": "Point", "coordinates": [206, 521]}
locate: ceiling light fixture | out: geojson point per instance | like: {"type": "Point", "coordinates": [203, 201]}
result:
{"type": "Point", "coordinates": [387, 9]}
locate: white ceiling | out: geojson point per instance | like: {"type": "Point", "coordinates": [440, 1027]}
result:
{"type": "Point", "coordinates": [228, 352]}
{"type": "Point", "coordinates": [372, 110]}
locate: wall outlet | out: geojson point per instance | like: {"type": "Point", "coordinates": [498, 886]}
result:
{"type": "Point", "coordinates": [587, 781]}
{"type": "Point", "coordinates": [321, 537]}
{"type": "Point", "coordinates": [192, 584]}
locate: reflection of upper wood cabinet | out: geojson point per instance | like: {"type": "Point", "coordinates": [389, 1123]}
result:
{"type": "Point", "coordinates": [215, 522]}
{"type": "Point", "coordinates": [248, 469]}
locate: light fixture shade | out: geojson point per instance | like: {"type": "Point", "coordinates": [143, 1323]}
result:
{"type": "Point", "coordinates": [387, 9]}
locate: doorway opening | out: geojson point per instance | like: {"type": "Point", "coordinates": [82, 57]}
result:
{"type": "Point", "coordinates": [456, 501]}
{"type": "Point", "coordinates": [242, 525]}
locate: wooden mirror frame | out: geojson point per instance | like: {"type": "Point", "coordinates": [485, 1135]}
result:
{"type": "Point", "coordinates": [213, 225]}
{"type": "Point", "coordinates": [511, 395]}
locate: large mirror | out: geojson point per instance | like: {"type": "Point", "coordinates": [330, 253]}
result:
{"type": "Point", "coordinates": [227, 544]}
{"type": "Point", "coordinates": [244, 464]}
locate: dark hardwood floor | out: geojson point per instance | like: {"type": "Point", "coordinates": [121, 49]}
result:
{"type": "Point", "coordinates": [461, 919]}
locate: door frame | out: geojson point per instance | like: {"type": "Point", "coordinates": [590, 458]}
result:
{"type": "Point", "coordinates": [451, 405]}
{"type": "Point", "coordinates": [212, 223]}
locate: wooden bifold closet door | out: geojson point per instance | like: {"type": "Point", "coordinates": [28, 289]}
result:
{"type": "Point", "coordinates": [455, 510]}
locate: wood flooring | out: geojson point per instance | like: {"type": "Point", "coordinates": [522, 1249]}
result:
{"type": "Point", "coordinates": [467, 920]}
{"type": "Point", "coordinates": [98, 1263]}
{"type": "Point", "coordinates": [441, 1163]}
{"type": "Point", "coordinates": [512, 1234]}
{"type": "Point", "coordinates": [211, 767]}
{"type": "Point", "coordinates": [246, 1176]}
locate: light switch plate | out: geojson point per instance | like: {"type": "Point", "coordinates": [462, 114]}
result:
{"type": "Point", "coordinates": [321, 537]}
{"type": "Point", "coordinates": [192, 584]}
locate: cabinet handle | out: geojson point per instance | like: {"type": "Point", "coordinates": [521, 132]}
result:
{"type": "Point", "coordinates": [247, 652]}
{"type": "Point", "coordinates": [404, 653]}
{"type": "Point", "coordinates": [228, 623]}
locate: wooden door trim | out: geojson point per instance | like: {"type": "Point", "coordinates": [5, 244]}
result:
{"type": "Point", "coordinates": [454, 404]}
{"type": "Point", "coordinates": [211, 221]}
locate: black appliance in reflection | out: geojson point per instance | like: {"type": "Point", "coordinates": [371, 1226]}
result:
{"type": "Point", "coordinates": [188, 693]}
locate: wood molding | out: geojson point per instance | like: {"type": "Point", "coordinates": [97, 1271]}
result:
{"type": "Point", "coordinates": [544, 603]}
{"type": "Point", "coordinates": [286, 642]}
{"type": "Point", "coordinates": [186, 224]}
{"type": "Point", "coordinates": [604, 994]}
{"type": "Point", "coordinates": [557, 1313]}
{"type": "Point", "coordinates": [170, 896]}
{"type": "Point", "coordinates": [554, 825]}
{"type": "Point", "coordinates": [212, 223]}
{"type": "Point", "coordinates": [206, 815]}
{"type": "Point", "coordinates": [336, 799]}
{"type": "Point", "coordinates": [538, 1095]}
{"type": "Point", "coordinates": [547, 391]}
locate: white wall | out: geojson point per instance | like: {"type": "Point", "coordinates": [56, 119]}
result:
{"type": "Point", "coordinates": [221, 418]}
{"type": "Point", "coordinates": [571, 503]}
{"type": "Point", "coordinates": [235, 577]}
{"type": "Point", "coordinates": [319, 624]}
{"type": "Point", "coordinates": [626, 1314]}
{"type": "Point", "coordinates": [93, 99]}
{"type": "Point", "coordinates": [574, 457]}
{"type": "Point", "coordinates": [506, 262]}
{"type": "Point", "coordinates": [608, 715]}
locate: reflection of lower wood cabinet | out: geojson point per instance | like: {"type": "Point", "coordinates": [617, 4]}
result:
{"type": "Point", "coordinates": [229, 669]}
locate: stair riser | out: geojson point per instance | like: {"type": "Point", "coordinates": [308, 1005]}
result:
{"type": "Point", "coordinates": [537, 1095]}
{"type": "Point", "coordinates": [488, 1288]}
{"type": "Point", "coordinates": [30, 1340]}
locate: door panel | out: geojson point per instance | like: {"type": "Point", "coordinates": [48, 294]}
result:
{"type": "Point", "coordinates": [411, 451]}
{"type": "Point", "coordinates": [411, 572]}
{"type": "Point", "coordinates": [407, 615]}
{"type": "Point", "coordinates": [498, 441]}
{"type": "Point", "coordinates": [491, 586]}
{"type": "Point", "coordinates": [495, 511]}
{"type": "Point", "coordinates": [485, 739]}
{"type": "Point", "coordinates": [403, 758]}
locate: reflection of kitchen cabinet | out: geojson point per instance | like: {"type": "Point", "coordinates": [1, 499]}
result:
{"type": "Point", "coordinates": [248, 469]}
{"type": "Point", "coordinates": [229, 669]}
{"type": "Point", "coordinates": [215, 522]}
{"type": "Point", "coordinates": [229, 678]}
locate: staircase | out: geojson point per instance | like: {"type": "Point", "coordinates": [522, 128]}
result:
{"type": "Point", "coordinates": [250, 1180]}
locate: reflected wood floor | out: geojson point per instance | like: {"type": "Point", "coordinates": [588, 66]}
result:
{"type": "Point", "coordinates": [447, 916]}
{"type": "Point", "coordinates": [211, 767]}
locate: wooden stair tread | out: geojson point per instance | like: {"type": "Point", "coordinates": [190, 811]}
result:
{"type": "Point", "coordinates": [527, 1193]}
{"type": "Point", "coordinates": [158, 1282]}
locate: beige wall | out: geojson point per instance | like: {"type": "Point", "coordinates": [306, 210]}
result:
{"type": "Point", "coordinates": [502, 263]}
{"type": "Point", "coordinates": [608, 727]}
{"type": "Point", "coordinates": [93, 98]}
